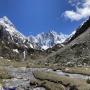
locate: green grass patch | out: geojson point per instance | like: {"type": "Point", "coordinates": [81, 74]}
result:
{"type": "Point", "coordinates": [63, 80]}
{"type": "Point", "coordinates": [4, 74]}
{"type": "Point", "coordinates": [78, 70]}
{"type": "Point", "coordinates": [47, 84]}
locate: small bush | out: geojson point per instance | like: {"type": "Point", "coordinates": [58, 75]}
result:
{"type": "Point", "coordinates": [73, 87]}
{"type": "Point", "coordinates": [4, 74]}
{"type": "Point", "coordinates": [88, 81]}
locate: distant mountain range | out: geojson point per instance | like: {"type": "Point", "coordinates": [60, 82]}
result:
{"type": "Point", "coordinates": [41, 41]}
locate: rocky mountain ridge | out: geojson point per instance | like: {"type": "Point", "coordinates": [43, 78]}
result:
{"type": "Point", "coordinates": [41, 41]}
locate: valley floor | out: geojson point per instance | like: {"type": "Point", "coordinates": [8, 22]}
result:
{"type": "Point", "coordinates": [31, 76]}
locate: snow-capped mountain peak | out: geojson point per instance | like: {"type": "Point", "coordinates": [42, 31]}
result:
{"type": "Point", "coordinates": [48, 40]}
{"type": "Point", "coordinates": [8, 25]}
{"type": "Point", "coordinates": [6, 20]}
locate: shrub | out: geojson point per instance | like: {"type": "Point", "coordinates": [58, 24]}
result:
{"type": "Point", "coordinates": [88, 81]}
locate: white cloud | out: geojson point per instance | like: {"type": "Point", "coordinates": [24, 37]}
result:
{"type": "Point", "coordinates": [82, 10]}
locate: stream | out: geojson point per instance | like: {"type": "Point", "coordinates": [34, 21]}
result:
{"type": "Point", "coordinates": [77, 76]}
{"type": "Point", "coordinates": [23, 76]}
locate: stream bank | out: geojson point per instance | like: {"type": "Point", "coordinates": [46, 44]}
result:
{"type": "Point", "coordinates": [22, 77]}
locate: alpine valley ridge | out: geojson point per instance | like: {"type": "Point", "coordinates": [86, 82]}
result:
{"type": "Point", "coordinates": [15, 44]}
{"type": "Point", "coordinates": [40, 41]}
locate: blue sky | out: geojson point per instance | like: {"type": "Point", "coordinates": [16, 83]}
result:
{"type": "Point", "coordinates": [36, 16]}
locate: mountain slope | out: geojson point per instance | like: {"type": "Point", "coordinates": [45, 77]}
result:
{"type": "Point", "coordinates": [14, 35]}
{"type": "Point", "coordinates": [13, 44]}
{"type": "Point", "coordinates": [77, 51]}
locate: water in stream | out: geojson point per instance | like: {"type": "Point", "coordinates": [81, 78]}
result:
{"type": "Point", "coordinates": [77, 76]}
{"type": "Point", "coordinates": [22, 76]}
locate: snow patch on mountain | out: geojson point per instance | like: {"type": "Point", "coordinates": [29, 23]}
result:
{"type": "Point", "coordinates": [15, 50]}
{"type": "Point", "coordinates": [71, 35]}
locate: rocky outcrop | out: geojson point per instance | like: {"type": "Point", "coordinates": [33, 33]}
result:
{"type": "Point", "coordinates": [54, 48]}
